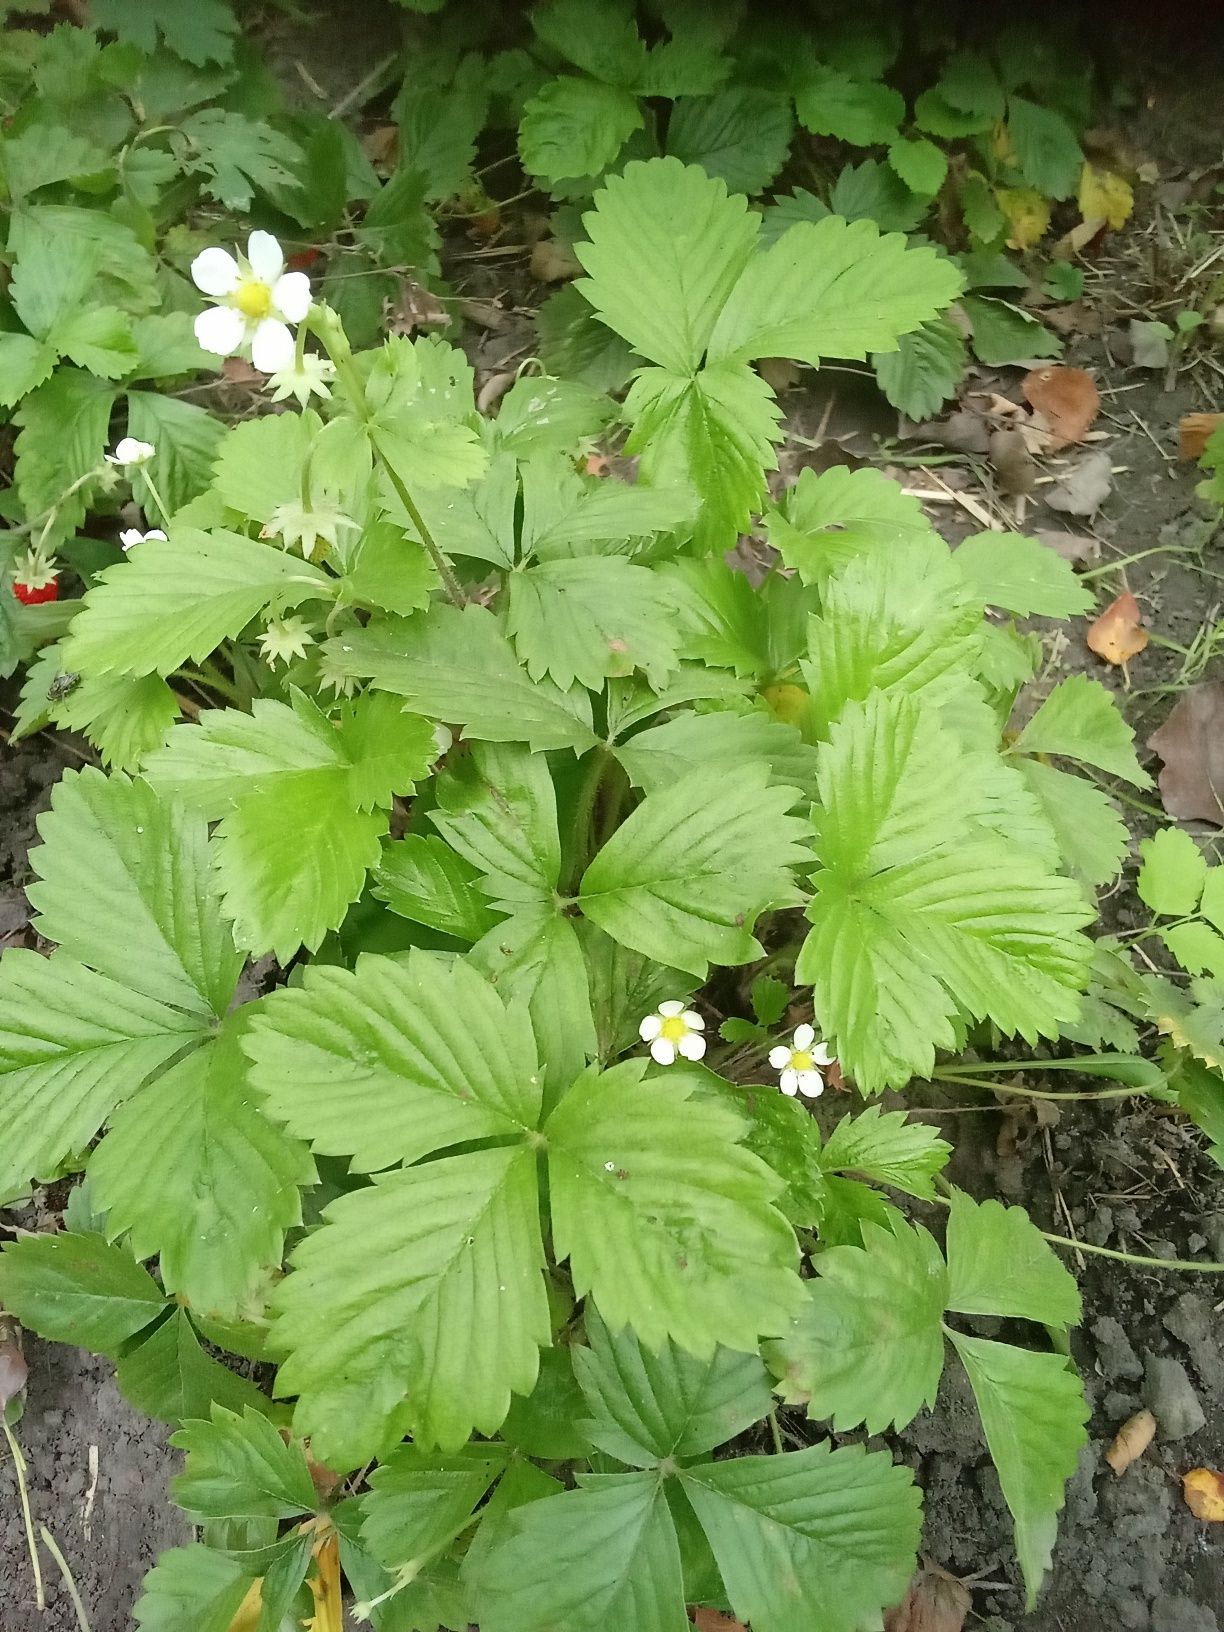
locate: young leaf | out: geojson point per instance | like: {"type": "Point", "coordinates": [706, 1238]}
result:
{"type": "Point", "coordinates": [1092, 838]}
{"type": "Point", "coordinates": [830, 519]}
{"type": "Point", "coordinates": [1033, 1412]}
{"type": "Point", "coordinates": [1172, 874]}
{"type": "Point", "coordinates": [684, 878]}
{"type": "Point", "coordinates": [861, 112]}
{"type": "Point", "coordinates": [810, 1538]}
{"type": "Point", "coordinates": [76, 1288]}
{"type": "Point", "coordinates": [421, 878]}
{"type": "Point", "coordinates": [394, 1061]}
{"type": "Point", "coordinates": [691, 742]}
{"type": "Point", "coordinates": [168, 1375]}
{"type": "Point", "coordinates": [1081, 720]}
{"type": "Point", "coordinates": [239, 1467]}
{"type": "Point", "coordinates": [1021, 575]}
{"type": "Point", "coordinates": [178, 599]}
{"type": "Point", "coordinates": [261, 462]}
{"type": "Point", "coordinates": [419, 1501]}
{"type": "Point", "coordinates": [998, 1264]}
{"type": "Point", "coordinates": [124, 883]}
{"type": "Point", "coordinates": [649, 1406]}
{"type": "Point", "coordinates": [575, 127]}
{"type": "Point", "coordinates": [196, 1130]}
{"type": "Point", "coordinates": [924, 371]}
{"type": "Point", "coordinates": [432, 1279]}
{"type": "Point", "coordinates": [886, 1148]}
{"type": "Point", "coordinates": [868, 1346]}
{"type": "Point", "coordinates": [604, 1555]}
{"type": "Point", "coordinates": [192, 1588]}
{"type": "Point", "coordinates": [63, 436]}
{"type": "Point", "coordinates": [632, 1167]}
{"type": "Point", "coordinates": [740, 134]}
{"type": "Point", "coordinates": [588, 618]}
{"type": "Point", "coordinates": [458, 665]}
{"type": "Point", "coordinates": [922, 166]}
{"type": "Point", "coordinates": [666, 247]}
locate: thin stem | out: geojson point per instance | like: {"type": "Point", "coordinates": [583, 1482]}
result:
{"type": "Point", "coordinates": [779, 1448]}
{"type": "Point", "coordinates": [155, 495]}
{"type": "Point", "coordinates": [1188, 1265]}
{"type": "Point", "coordinates": [49, 1542]}
{"type": "Point", "coordinates": [584, 810]}
{"type": "Point", "coordinates": [19, 1466]}
{"type": "Point", "coordinates": [444, 569]}
{"type": "Point", "coordinates": [1031, 1093]}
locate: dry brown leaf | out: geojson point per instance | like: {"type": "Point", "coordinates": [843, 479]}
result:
{"type": "Point", "coordinates": [381, 145]}
{"type": "Point", "coordinates": [935, 1602]}
{"type": "Point", "coordinates": [1118, 634]}
{"type": "Point", "coordinates": [237, 371]}
{"type": "Point", "coordinates": [1191, 744]}
{"type": "Point", "coordinates": [1204, 1494]}
{"type": "Point", "coordinates": [1012, 461]}
{"type": "Point", "coordinates": [1194, 432]}
{"type": "Point", "coordinates": [713, 1620]}
{"type": "Point", "coordinates": [1068, 398]}
{"type": "Point", "coordinates": [1084, 488]}
{"type": "Point", "coordinates": [1076, 241]}
{"type": "Point", "coordinates": [1133, 1438]}
{"type": "Point", "coordinates": [552, 262]}
{"type": "Point", "coordinates": [1080, 549]}
{"type": "Point", "coordinates": [13, 1368]}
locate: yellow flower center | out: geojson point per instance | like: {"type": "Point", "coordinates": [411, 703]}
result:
{"type": "Point", "coordinates": [801, 1060]}
{"type": "Point", "coordinates": [674, 1029]}
{"type": "Point", "coordinates": [253, 298]}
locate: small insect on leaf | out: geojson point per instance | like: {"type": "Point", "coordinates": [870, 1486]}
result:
{"type": "Point", "coordinates": [1203, 1490]}
{"type": "Point", "coordinates": [1133, 1438]}
{"type": "Point", "coordinates": [1118, 634]}
{"type": "Point", "coordinates": [1067, 397]}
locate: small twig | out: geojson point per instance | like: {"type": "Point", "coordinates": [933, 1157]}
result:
{"type": "Point", "coordinates": [352, 98]}
{"type": "Point", "coordinates": [49, 1542]}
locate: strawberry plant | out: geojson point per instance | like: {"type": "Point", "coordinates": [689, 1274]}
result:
{"type": "Point", "coordinates": [380, 1020]}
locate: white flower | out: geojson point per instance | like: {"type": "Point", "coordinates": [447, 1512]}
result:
{"type": "Point", "coordinates": [673, 1030]}
{"type": "Point", "coordinates": [312, 378]}
{"type": "Point", "coordinates": [256, 301]}
{"type": "Point", "coordinates": [798, 1065]}
{"type": "Point", "coordinates": [309, 530]}
{"type": "Point", "coordinates": [284, 639]}
{"type": "Point", "coordinates": [130, 453]}
{"type": "Point", "coordinates": [334, 677]}
{"type": "Point", "coordinates": [133, 535]}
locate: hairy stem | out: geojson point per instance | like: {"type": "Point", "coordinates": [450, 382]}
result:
{"type": "Point", "coordinates": [954, 1080]}
{"type": "Point", "coordinates": [23, 1494]}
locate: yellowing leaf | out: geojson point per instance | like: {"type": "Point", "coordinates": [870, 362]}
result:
{"type": "Point", "coordinates": [1001, 144]}
{"type": "Point", "coordinates": [1204, 1494]}
{"type": "Point", "coordinates": [1106, 196]}
{"type": "Point", "coordinates": [1028, 215]}
{"type": "Point", "coordinates": [246, 1618]}
{"type": "Point", "coordinates": [1134, 1437]}
{"type": "Point", "coordinates": [325, 1586]}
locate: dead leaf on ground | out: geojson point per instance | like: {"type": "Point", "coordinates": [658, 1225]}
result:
{"type": "Point", "coordinates": [1076, 317]}
{"type": "Point", "coordinates": [494, 389]}
{"type": "Point", "coordinates": [963, 431]}
{"type": "Point", "coordinates": [1133, 1438]}
{"type": "Point", "coordinates": [1085, 487]}
{"type": "Point", "coordinates": [415, 307]}
{"type": "Point", "coordinates": [1068, 398]}
{"type": "Point", "coordinates": [381, 145]}
{"type": "Point", "coordinates": [1118, 634]}
{"type": "Point", "coordinates": [237, 371]}
{"type": "Point", "coordinates": [1194, 431]}
{"type": "Point", "coordinates": [1191, 744]}
{"type": "Point", "coordinates": [1105, 195]}
{"type": "Point", "coordinates": [1149, 343]}
{"type": "Point", "coordinates": [1080, 549]}
{"type": "Point", "coordinates": [935, 1602]}
{"type": "Point", "coordinates": [713, 1620]}
{"type": "Point", "coordinates": [1204, 1494]}
{"type": "Point", "coordinates": [1013, 463]}
{"type": "Point", "coordinates": [553, 262]}
{"type": "Point", "coordinates": [1079, 239]}
{"type": "Point", "coordinates": [13, 1368]}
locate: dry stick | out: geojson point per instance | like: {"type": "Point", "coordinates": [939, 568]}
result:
{"type": "Point", "coordinates": [50, 1543]}
{"type": "Point", "coordinates": [19, 1465]}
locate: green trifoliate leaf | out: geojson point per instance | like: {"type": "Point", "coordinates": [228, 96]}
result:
{"type": "Point", "coordinates": [1081, 720]}
{"type": "Point", "coordinates": [76, 1288]}
{"type": "Point", "coordinates": [197, 1129]}
{"type": "Point", "coordinates": [860, 112]}
{"type": "Point", "coordinates": [1019, 574]}
{"type": "Point", "coordinates": [234, 156]}
{"type": "Point", "coordinates": [886, 1148]}
{"type": "Point", "coordinates": [178, 599]}
{"type": "Point", "coordinates": [728, 624]}
{"type": "Point", "coordinates": [186, 437]}
{"type": "Point", "coordinates": [1173, 872]}
{"type": "Point", "coordinates": [419, 1501]}
{"type": "Point", "coordinates": [1092, 837]}
{"type": "Point", "coordinates": [667, 246]}
{"type": "Point", "coordinates": [740, 134]}
{"type": "Point", "coordinates": [605, 43]}
{"type": "Point", "coordinates": [458, 665]}
{"type": "Point", "coordinates": [432, 1279]}
{"type": "Point", "coordinates": [810, 1538]}
{"type": "Point", "coordinates": [125, 884]}
{"type": "Point", "coordinates": [1033, 1412]}
{"type": "Point", "coordinates": [191, 1589]}
{"type": "Point", "coordinates": [586, 619]}
{"type": "Point", "coordinates": [239, 1467]}
{"type": "Point", "coordinates": [576, 127]}
{"type": "Point", "coordinates": [168, 1375]}
{"type": "Point", "coordinates": [998, 1264]}
{"type": "Point", "coordinates": [604, 1555]}
{"type": "Point", "coordinates": [831, 289]}
{"type": "Point", "coordinates": [665, 1218]}
{"type": "Point", "coordinates": [655, 758]}
{"type": "Point", "coordinates": [828, 520]}
{"type": "Point", "coordinates": [648, 1406]}
{"type": "Point", "coordinates": [394, 1061]}
{"type": "Point", "coordinates": [73, 1044]}
{"type": "Point", "coordinates": [685, 877]}
{"type": "Point", "coordinates": [63, 436]}
{"type": "Point", "coordinates": [924, 371]}
{"type": "Point", "coordinates": [868, 1346]}
{"type": "Point", "coordinates": [421, 878]}
{"type": "Point", "coordinates": [1047, 153]}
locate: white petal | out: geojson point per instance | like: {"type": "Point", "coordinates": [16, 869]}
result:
{"type": "Point", "coordinates": [154, 532]}
{"type": "Point", "coordinates": [692, 1048]}
{"type": "Point", "coordinates": [821, 1054]}
{"type": "Point", "coordinates": [693, 1020]}
{"type": "Point", "coordinates": [789, 1083]}
{"type": "Point", "coordinates": [271, 346]}
{"type": "Point", "coordinates": [291, 296]}
{"type": "Point", "coordinates": [671, 1008]}
{"type": "Point", "coordinates": [220, 329]}
{"type": "Point", "coordinates": [130, 536]}
{"type": "Point", "coordinates": [264, 254]}
{"type": "Point", "coordinates": [811, 1084]}
{"type": "Point", "coordinates": [804, 1036]}
{"type": "Point", "coordinates": [780, 1057]}
{"type": "Point", "coordinates": [650, 1028]}
{"type": "Point", "coordinates": [216, 272]}
{"type": "Point", "coordinates": [663, 1052]}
